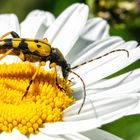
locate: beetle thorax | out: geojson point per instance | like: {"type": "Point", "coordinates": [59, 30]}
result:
{"type": "Point", "coordinates": [58, 58]}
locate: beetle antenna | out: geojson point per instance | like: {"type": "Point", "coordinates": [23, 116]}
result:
{"type": "Point", "coordinates": [84, 88]}
{"type": "Point", "coordinates": [118, 50]}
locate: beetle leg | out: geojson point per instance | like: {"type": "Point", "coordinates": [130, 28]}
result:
{"type": "Point", "coordinates": [14, 35]}
{"type": "Point", "coordinates": [5, 54]}
{"type": "Point", "coordinates": [45, 39]}
{"type": "Point", "coordinates": [31, 81]}
{"type": "Point", "coordinates": [53, 65]}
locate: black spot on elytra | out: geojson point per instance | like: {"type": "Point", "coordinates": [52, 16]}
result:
{"type": "Point", "coordinates": [36, 41]}
{"type": "Point", "coordinates": [8, 40]}
{"type": "Point", "coordinates": [38, 45]}
{"type": "Point", "coordinates": [23, 45]}
{"type": "Point", "coordinates": [7, 43]}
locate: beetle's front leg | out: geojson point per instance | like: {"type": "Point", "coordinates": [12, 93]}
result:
{"type": "Point", "coordinates": [53, 65]}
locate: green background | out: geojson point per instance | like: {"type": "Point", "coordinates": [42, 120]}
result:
{"type": "Point", "coordinates": [126, 127]}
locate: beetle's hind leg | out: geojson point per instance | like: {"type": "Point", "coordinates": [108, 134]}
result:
{"type": "Point", "coordinates": [12, 33]}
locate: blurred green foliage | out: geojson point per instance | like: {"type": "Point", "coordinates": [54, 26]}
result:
{"type": "Point", "coordinates": [122, 15]}
{"type": "Point", "coordinates": [124, 19]}
{"type": "Point", "coordinates": [127, 128]}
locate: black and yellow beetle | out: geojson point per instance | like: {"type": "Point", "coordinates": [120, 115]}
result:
{"type": "Point", "coordinates": [39, 50]}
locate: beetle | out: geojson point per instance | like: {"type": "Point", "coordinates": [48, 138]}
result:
{"type": "Point", "coordinates": [39, 50]}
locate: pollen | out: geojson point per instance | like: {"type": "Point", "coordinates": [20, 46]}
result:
{"type": "Point", "coordinates": [44, 102]}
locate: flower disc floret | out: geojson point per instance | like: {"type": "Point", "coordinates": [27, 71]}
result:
{"type": "Point", "coordinates": [43, 103]}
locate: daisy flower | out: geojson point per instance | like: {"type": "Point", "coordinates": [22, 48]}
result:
{"type": "Point", "coordinates": [80, 40]}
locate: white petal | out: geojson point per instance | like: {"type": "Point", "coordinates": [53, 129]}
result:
{"type": "Point", "coordinates": [79, 55]}
{"type": "Point", "coordinates": [117, 109]}
{"type": "Point", "coordinates": [36, 23]}
{"type": "Point", "coordinates": [14, 135]}
{"type": "Point", "coordinates": [126, 83]}
{"type": "Point", "coordinates": [49, 17]}
{"type": "Point", "coordinates": [103, 46]}
{"type": "Point", "coordinates": [74, 122]}
{"type": "Point", "coordinates": [104, 108]}
{"type": "Point", "coordinates": [70, 127]}
{"type": "Point", "coordinates": [10, 59]}
{"type": "Point", "coordinates": [75, 136]}
{"type": "Point", "coordinates": [106, 66]}
{"type": "Point", "coordinates": [98, 134]}
{"type": "Point", "coordinates": [20, 136]}
{"type": "Point", "coordinates": [95, 29]}
{"type": "Point", "coordinates": [87, 112]}
{"type": "Point", "coordinates": [136, 110]}
{"type": "Point", "coordinates": [41, 136]}
{"type": "Point", "coordinates": [129, 45]}
{"type": "Point", "coordinates": [114, 107]}
{"type": "Point", "coordinates": [64, 32]}
{"type": "Point", "coordinates": [8, 22]}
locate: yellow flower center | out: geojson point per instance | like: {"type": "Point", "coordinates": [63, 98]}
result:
{"type": "Point", "coordinates": [43, 103]}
